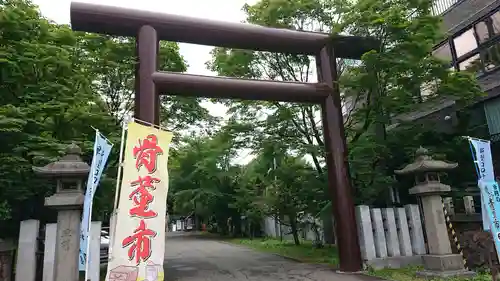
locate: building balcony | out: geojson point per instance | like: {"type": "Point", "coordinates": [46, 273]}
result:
{"type": "Point", "coordinates": [439, 7]}
{"type": "Point", "coordinates": [457, 14]}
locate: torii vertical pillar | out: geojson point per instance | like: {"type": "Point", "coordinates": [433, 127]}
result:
{"type": "Point", "coordinates": [147, 107]}
{"type": "Point", "coordinates": [338, 166]}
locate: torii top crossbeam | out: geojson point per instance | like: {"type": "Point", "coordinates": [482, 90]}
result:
{"type": "Point", "coordinates": [126, 22]}
{"type": "Point", "coordinates": [149, 27]}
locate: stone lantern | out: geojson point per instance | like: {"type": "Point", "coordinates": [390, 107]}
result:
{"type": "Point", "coordinates": [69, 172]}
{"type": "Point", "coordinates": [440, 261]}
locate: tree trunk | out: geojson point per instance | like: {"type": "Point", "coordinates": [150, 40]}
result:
{"type": "Point", "coordinates": [328, 227]}
{"type": "Point", "coordinates": [295, 231]}
{"type": "Point", "coordinates": [236, 225]}
{"type": "Point", "coordinates": [281, 228]}
{"type": "Point", "coordinates": [327, 218]}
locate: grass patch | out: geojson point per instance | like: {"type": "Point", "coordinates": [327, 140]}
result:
{"type": "Point", "coordinates": [328, 255]}
{"type": "Point", "coordinates": [304, 252]}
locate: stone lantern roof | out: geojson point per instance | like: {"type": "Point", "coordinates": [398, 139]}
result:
{"type": "Point", "coordinates": [424, 163]}
{"type": "Point", "coordinates": [70, 165]}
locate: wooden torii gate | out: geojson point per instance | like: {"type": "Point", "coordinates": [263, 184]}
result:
{"type": "Point", "coordinates": [150, 27]}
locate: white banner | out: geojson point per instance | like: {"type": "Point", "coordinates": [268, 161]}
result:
{"type": "Point", "coordinates": [481, 153]}
{"type": "Point", "coordinates": [490, 193]}
{"type": "Point", "coordinates": [102, 149]}
{"type": "Point", "coordinates": [139, 243]}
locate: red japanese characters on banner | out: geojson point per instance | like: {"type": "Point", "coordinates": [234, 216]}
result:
{"type": "Point", "coordinates": [146, 153]}
{"type": "Point", "coordinates": [142, 197]}
{"type": "Point", "coordinates": [139, 243]}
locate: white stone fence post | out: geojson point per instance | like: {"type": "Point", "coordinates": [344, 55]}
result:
{"type": "Point", "coordinates": [27, 248]}
{"type": "Point", "coordinates": [469, 205]}
{"type": "Point", "coordinates": [390, 237]}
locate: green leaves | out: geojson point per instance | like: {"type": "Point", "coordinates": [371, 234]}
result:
{"type": "Point", "coordinates": [56, 84]}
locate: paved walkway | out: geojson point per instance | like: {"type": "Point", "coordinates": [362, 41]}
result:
{"type": "Point", "coordinates": [198, 258]}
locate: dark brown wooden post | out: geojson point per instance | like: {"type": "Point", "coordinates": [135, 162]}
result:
{"type": "Point", "coordinates": [145, 97]}
{"type": "Point", "coordinates": [338, 165]}
{"type": "Point", "coordinates": [157, 94]}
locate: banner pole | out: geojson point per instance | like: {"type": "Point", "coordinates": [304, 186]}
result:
{"type": "Point", "coordinates": [89, 223]}
{"type": "Point", "coordinates": [120, 168]}
{"type": "Point", "coordinates": [112, 223]}
{"type": "Point", "coordinates": [89, 237]}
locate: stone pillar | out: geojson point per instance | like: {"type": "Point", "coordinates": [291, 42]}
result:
{"type": "Point", "coordinates": [68, 230]}
{"type": "Point", "coordinates": [415, 226]}
{"type": "Point", "coordinates": [378, 233]}
{"type": "Point", "coordinates": [49, 256]}
{"type": "Point", "coordinates": [95, 251]}
{"type": "Point", "coordinates": [7, 251]}
{"type": "Point", "coordinates": [435, 226]}
{"type": "Point", "coordinates": [448, 205]}
{"type": "Point", "coordinates": [403, 232]}
{"type": "Point", "coordinates": [7, 248]}
{"type": "Point", "coordinates": [365, 232]}
{"type": "Point", "coordinates": [26, 251]}
{"type": "Point", "coordinates": [391, 233]}
{"type": "Point", "coordinates": [469, 205]}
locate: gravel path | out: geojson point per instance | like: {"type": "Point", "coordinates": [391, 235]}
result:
{"type": "Point", "coordinates": [198, 258]}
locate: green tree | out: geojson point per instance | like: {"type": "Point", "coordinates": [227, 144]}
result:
{"type": "Point", "coordinates": [46, 103]}
{"type": "Point", "coordinates": [203, 178]}
{"type": "Point", "coordinates": [111, 62]}
{"type": "Point", "coordinates": [56, 83]}
{"type": "Point", "coordinates": [385, 83]}
{"type": "Point", "coordinates": [401, 77]}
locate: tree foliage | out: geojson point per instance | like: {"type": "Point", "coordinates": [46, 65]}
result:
{"type": "Point", "coordinates": [398, 79]}
{"type": "Point", "coordinates": [55, 85]}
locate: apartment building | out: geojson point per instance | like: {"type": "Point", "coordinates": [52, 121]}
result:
{"type": "Point", "coordinates": [473, 44]}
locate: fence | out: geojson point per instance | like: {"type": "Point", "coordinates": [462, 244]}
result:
{"type": "Point", "coordinates": [273, 228]}
{"type": "Point", "coordinates": [36, 249]}
{"type": "Point", "coordinates": [390, 237]}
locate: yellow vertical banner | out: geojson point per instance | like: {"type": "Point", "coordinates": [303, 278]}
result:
{"type": "Point", "coordinates": [138, 245]}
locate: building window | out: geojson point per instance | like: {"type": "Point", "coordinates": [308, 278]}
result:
{"type": "Point", "coordinates": [465, 42]}
{"type": "Point", "coordinates": [472, 64]}
{"type": "Point", "coordinates": [495, 22]}
{"type": "Point", "coordinates": [482, 32]}
{"type": "Point", "coordinates": [443, 52]}
{"type": "Point", "coordinates": [492, 112]}
{"type": "Point", "coordinates": [488, 28]}
{"type": "Point", "coordinates": [491, 57]}
{"type": "Point", "coordinates": [475, 50]}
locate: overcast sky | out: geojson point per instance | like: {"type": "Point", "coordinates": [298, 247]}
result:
{"type": "Point", "coordinates": [195, 55]}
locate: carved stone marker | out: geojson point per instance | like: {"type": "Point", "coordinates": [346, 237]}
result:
{"type": "Point", "coordinates": [69, 171]}
{"type": "Point", "coordinates": [440, 261]}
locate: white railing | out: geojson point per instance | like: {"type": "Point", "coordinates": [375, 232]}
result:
{"type": "Point", "coordinates": [441, 6]}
